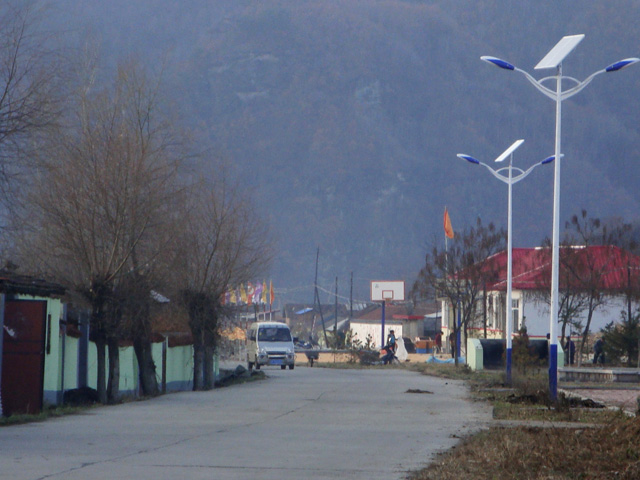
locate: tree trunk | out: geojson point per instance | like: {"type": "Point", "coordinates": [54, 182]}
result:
{"type": "Point", "coordinates": [198, 356]}
{"type": "Point", "coordinates": [563, 334]}
{"type": "Point", "coordinates": [113, 386]}
{"type": "Point", "coordinates": [208, 370]}
{"type": "Point", "coordinates": [585, 334]}
{"type": "Point", "coordinates": [454, 354]}
{"type": "Point", "coordinates": [101, 343]}
{"type": "Point", "coordinates": [147, 367]}
{"type": "Point", "coordinates": [466, 336]}
{"type": "Point", "coordinates": [484, 308]}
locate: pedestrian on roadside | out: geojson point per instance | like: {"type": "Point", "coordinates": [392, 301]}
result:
{"type": "Point", "coordinates": [598, 352]}
{"type": "Point", "coordinates": [387, 355]}
{"type": "Point", "coordinates": [570, 350]}
{"type": "Point", "coordinates": [391, 341]}
{"type": "Point", "coordinates": [452, 344]}
{"type": "Point", "coordinates": [439, 342]}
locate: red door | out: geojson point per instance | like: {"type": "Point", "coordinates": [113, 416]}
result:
{"type": "Point", "coordinates": [23, 356]}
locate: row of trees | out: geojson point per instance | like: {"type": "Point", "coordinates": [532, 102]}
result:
{"type": "Point", "coordinates": [460, 275]}
{"type": "Point", "coordinates": [111, 201]}
{"type": "Point", "coordinates": [587, 274]}
{"type": "Point", "coordinates": [461, 272]}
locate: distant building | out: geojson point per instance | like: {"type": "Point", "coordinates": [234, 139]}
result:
{"type": "Point", "coordinates": [404, 318]}
{"type": "Point", "coordinates": [309, 322]}
{"type": "Point", "coordinates": [531, 278]}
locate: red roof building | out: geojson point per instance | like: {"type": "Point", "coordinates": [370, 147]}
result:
{"type": "Point", "coordinates": [609, 269]}
{"type": "Point", "coordinates": [532, 266]}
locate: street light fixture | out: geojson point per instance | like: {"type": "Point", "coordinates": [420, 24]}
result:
{"type": "Point", "coordinates": [509, 179]}
{"type": "Point", "coordinates": [554, 59]}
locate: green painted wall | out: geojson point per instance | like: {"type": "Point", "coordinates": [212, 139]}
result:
{"type": "Point", "coordinates": [179, 366]}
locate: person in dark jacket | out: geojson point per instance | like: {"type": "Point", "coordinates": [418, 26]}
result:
{"type": "Point", "coordinates": [452, 343]}
{"type": "Point", "coordinates": [439, 342]}
{"type": "Point", "coordinates": [570, 350]}
{"type": "Point", "coordinates": [387, 355]}
{"type": "Point", "coordinates": [391, 341]}
{"type": "Point", "coordinates": [598, 352]}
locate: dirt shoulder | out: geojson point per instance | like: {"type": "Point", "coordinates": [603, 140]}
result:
{"type": "Point", "coordinates": [590, 434]}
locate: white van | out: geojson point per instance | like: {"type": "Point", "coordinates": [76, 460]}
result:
{"type": "Point", "coordinates": [270, 343]}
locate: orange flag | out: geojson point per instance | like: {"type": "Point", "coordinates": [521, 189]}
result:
{"type": "Point", "coordinates": [272, 296]}
{"type": "Point", "coordinates": [263, 299]}
{"type": "Point", "coordinates": [448, 229]}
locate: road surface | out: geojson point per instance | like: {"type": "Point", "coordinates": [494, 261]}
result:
{"type": "Point", "coordinates": [304, 424]}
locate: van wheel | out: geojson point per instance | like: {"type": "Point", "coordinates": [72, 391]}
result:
{"type": "Point", "coordinates": [291, 367]}
{"type": "Point", "coordinates": [283, 367]}
{"type": "Point", "coordinates": [257, 366]}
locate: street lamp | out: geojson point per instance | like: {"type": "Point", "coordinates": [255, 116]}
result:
{"type": "Point", "coordinates": [554, 59]}
{"type": "Point", "coordinates": [509, 179]}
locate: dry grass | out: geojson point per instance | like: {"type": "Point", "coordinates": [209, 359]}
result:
{"type": "Point", "coordinates": [609, 447]}
{"type": "Point", "coordinates": [46, 414]}
{"type": "Point", "coordinates": [609, 451]}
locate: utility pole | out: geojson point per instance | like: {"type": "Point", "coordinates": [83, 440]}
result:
{"type": "Point", "coordinates": [317, 299]}
{"type": "Point", "coordinates": [335, 321]}
{"type": "Point", "coordinates": [351, 300]}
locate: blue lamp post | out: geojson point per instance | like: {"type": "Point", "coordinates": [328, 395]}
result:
{"type": "Point", "coordinates": [509, 179]}
{"type": "Point", "coordinates": [553, 60]}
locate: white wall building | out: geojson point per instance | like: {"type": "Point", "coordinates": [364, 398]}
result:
{"type": "Point", "coordinates": [614, 269]}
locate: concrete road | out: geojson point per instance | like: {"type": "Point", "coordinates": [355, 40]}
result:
{"type": "Point", "coordinates": [309, 423]}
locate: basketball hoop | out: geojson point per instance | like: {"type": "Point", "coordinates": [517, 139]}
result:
{"type": "Point", "coordinates": [387, 291]}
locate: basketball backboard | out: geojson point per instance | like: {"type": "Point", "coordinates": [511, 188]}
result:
{"type": "Point", "coordinates": [386, 291]}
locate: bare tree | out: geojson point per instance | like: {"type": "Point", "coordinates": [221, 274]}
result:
{"type": "Point", "coordinates": [134, 306]}
{"type": "Point", "coordinates": [98, 199]}
{"type": "Point", "coordinates": [30, 86]}
{"type": "Point", "coordinates": [220, 244]}
{"type": "Point", "coordinates": [460, 272]}
{"type": "Point", "coordinates": [584, 269]}
{"type": "Point", "coordinates": [589, 269]}
{"type": "Point", "coordinates": [572, 299]}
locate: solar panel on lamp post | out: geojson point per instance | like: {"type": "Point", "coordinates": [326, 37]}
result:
{"type": "Point", "coordinates": [553, 59]}
{"type": "Point", "coordinates": [509, 179]}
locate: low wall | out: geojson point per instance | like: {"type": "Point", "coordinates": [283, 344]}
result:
{"type": "Point", "coordinates": [600, 375]}
{"type": "Point", "coordinates": [344, 357]}
{"type": "Point", "coordinates": [178, 369]}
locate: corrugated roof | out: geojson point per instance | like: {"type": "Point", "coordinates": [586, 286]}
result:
{"type": "Point", "coordinates": [532, 267]}
{"type": "Point", "coordinates": [10, 282]}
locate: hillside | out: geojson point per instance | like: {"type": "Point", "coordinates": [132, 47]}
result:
{"type": "Point", "coordinates": [344, 117]}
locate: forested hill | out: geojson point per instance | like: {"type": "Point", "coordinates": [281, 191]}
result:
{"type": "Point", "coordinates": [345, 116]}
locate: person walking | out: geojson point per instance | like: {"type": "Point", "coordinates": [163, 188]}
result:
{"type": "Point", "coordinates": [598, 352]}
{"type": "Point", "coordinates": [439, 342]}
{"type": "Point", "coordinates": [452, 343]}
{"type": "Point", "coordinates": [391, 341]}
{"type": "Point", "coordinates": [570, 350]}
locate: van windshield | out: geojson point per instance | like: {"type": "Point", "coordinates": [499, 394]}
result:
{"type": "Point", "coordinates": [274, 334]}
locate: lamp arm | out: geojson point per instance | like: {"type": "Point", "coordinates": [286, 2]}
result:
{"type": "Point", "coordinates": [572, 91]}
{"type": "Point", "coordinates": [525, 173]}
{"type": "Point", "coordinates": [529, 170]}
{"type": "Point", "coordinates": [495, 173]}
{"type": "Point", "coordinates": [547, 91]}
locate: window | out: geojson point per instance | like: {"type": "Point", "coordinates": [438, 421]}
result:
{"type": "Point", "coordinates": [274, 334]}
{"type": "Point", "coordinates": [490, 313]}
{"type": "Point", "coordinates": [515, 312]}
